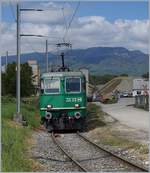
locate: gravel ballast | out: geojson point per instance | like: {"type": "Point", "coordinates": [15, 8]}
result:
{"type": "Point", "coordinates": [49, 156]}
{"type": "Point", "coordinates": [90, 157]}
{"type": "Point", "coordinates": [45, 151]}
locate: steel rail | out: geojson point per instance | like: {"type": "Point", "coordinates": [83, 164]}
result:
{"type": "Point", "coordinates": [114, 155]}
{"type": "Point", "coordinates": [68, 154]}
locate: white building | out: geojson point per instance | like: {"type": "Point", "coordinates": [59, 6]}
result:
{"type": "Point", "coordinates": [36, 72]}
{"type": "Point", "coordinates": [140, 86]}
{"type": "Point", "coordinates": [3, 68]}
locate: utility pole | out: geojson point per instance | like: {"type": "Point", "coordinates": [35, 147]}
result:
{"type": "Point", "coordinates": [62, 58]}
{"type": "Point", "coordinates": [6, 58]}
{"type": "Point", "coordinates": [46, 54]}
{"type": "Point", "coordinates": [18, 116]}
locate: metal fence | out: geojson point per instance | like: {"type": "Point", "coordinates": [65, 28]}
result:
{"type": "Point", "coordinates": [142, 101]}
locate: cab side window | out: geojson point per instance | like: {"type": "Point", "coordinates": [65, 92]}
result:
{"type": "Point", "coordinates": [84, 84]}
{"type": "Point", "coordinates": [42, 87]}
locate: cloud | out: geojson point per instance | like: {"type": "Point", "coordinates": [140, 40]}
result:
{"type": "Point", "coordinates": [87, 31]}
{"type": "Point", "coordinates": [97, 31]}
{"type": "Point", "coordinates": [52, 13]}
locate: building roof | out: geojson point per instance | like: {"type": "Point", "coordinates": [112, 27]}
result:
{"type": "Point", "coordinates": [32, 62]}
{"type": "Point", "coordinates": [61, 74]}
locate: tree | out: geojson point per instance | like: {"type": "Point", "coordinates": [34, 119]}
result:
{"type": "Point", "coordinates": [3, 84]}
{"type": "Point", "coordinates": [27, 87]}
{"type": "Point", "coordinates": [9, 80]}
{"type": "Point", "coordinates": [124, 74]}
{"type": "Point", "coordinates": [146, 75]}
{"type": "Point", "coordinates": [97, 80]}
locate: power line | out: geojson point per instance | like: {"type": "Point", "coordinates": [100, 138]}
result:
{"type": "Point", "coordinates": [27, 41]}
{"type": "Point", "coordinates": [69, 25]}
{"type": "Point", "coordinates": [65, 22]}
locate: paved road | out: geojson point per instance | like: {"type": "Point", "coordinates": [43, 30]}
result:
{"type": "Point", "coordinates": [128, 115]}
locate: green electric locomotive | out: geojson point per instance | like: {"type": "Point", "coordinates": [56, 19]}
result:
{"type": "Point", "coordinates": [63, 100]}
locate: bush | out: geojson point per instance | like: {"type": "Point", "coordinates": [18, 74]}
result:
{"type": "Point", "coordinates": [97, 80]}
{"type": "Point", "coordinates": [110, 101]}
{"type": "Point", "coordinates": [95, 117]}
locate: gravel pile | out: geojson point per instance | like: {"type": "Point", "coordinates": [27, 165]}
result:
{"type": "Point", "coordinates": [90, 157]}
{"type": "Point", "coordinates": [47, 153]}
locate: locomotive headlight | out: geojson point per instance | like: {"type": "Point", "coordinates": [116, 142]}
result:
{"type": "Point", "coordinates": [76, 105]}
{"type": "Point", "coordinates": [77, 115]}
{"type": "Point", "coordinates": [49, 106]}
{"type": "Point", "coordinates": [48, 115]}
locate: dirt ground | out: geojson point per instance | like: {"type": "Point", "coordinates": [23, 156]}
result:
{"type": "Point", "coordinates": [127, 114]}
{"type": "Point", "coordinates": [123, 140]}
{"type": "Point", "coordinates": [107, 131]}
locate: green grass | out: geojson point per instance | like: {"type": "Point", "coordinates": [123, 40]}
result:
{"type": "Point", "coordinates": [14, 136]}
{"type": "Point", "coordinates": [111, 137]}
{"type": "Point", "coordinates": [14, 148]}
{"type": "Point", "coordinates": [95, 117]}
{"type": "Point", "coordinates": [110, 101]}
{"type": "Point", "coordinates": [29, 112]}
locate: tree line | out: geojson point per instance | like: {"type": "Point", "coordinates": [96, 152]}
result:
{"type": "Point", "coordinates": [100, 80]}
{"type": "Point", "coordinates": [9, 80]}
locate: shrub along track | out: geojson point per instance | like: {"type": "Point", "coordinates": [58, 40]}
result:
{"type": "Point", "coordinates": [89, 157]}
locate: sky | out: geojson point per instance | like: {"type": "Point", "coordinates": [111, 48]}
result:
{"type": "Point", "coordinates": [95, 24]}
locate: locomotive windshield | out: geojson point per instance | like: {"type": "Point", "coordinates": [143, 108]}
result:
{"type": "Point", "coordinates": [52, 85]}
{"type": "Point", "coordinates": [73, 84]}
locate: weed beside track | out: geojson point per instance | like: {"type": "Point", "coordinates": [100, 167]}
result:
{"type": "Point", "coordinates": [15, 136]}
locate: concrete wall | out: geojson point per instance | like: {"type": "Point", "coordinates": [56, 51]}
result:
{"type": "Point", "coordinates": [142, 101]}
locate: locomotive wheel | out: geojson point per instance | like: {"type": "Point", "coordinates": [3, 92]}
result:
{"type": "Point", "coordinates": [82, 125]}
{"type": "Point", "coordinates": [45, 124]}
{"type": "Point", "coordinates": [49, 128]}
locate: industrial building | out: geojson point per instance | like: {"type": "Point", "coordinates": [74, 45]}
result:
{"type": "Point", "coordinates": [140, 86]}
{"type": "Point", "coordinates": [36, 73]}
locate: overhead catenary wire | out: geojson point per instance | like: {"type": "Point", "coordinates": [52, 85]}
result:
{"type": "Point", "coordinates": [64, 18]}
{"type": "Point", "coordinates": [72, 18]}
{"type": "Point", "coordinates": [26, 40]}
{"type": "Point", "coordinates": [65, 23]}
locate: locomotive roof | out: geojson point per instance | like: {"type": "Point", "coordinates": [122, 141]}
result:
{"type": "Point", "coordinates": [61, 74]}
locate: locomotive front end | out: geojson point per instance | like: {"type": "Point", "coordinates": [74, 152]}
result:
{"type": "Point", "coordinates": [63, 101]}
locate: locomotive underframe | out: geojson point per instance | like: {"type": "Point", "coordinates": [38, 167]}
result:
{"type": "Point", "coordinates": [64, 122]}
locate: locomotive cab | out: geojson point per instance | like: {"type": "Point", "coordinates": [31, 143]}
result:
{"type": "Point", "coordinates": [63, 100]}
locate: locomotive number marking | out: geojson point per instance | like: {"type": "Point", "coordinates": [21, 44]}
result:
{"type": "Point", "coordinates": [79, 99]}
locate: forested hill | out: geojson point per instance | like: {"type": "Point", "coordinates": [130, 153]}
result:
{"type": "Point", "coordinates": [100, 60]}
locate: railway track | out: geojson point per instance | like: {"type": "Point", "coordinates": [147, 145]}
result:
{"type": "Point", "coordinates": [78, 162]}
{"type": "Point", "coordinates": [68, 154]}
{"type": "Point", "coordinates": [140, 168]}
